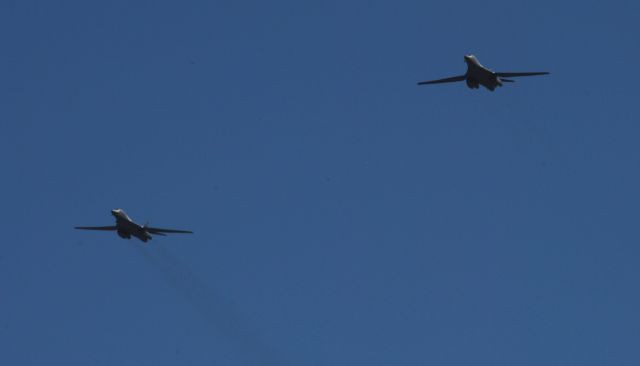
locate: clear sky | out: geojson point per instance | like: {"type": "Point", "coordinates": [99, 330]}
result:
{"type": "Point", "coordinates": [342, 214]}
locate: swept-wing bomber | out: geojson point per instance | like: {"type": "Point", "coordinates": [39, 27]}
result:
{"type": "Point", "coordinates": [479, 75]}
{"type": "Point", "coordinates": [126, 228]}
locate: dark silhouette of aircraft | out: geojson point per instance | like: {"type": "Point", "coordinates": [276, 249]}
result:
{"type": "Point", "coordinates": [126, 228]}
{"type": "Point", "coordinates": [479, 75]}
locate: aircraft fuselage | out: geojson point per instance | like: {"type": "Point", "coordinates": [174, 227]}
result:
{"type": "Point", "coordinates": [479, 75]}
{"type": "Point", "coordinates": [127, 228]}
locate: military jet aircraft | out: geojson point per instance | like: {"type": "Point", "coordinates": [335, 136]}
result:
{"type": "Point", "coordinates": [479, 75]}
{"type": "Point", "coordinates": [126, 228]}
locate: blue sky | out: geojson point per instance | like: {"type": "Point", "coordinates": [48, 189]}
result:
{"type": "Point", "coordinates": [343, 215]}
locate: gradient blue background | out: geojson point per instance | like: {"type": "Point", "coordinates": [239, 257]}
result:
{"type": "Point", "coordinates": [343, 215]}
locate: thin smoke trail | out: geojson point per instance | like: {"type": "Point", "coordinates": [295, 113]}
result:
{"type": "Point", "coordinates": [217, 312]}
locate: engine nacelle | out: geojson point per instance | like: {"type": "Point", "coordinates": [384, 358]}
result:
{"type": "Point", "coordinates": [472, 84]}
{"type": "Point", "coordinates": [124, 234]}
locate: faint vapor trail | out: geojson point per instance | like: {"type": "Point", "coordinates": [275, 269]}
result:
{"type": "Point", "coordinates": [216, 312]}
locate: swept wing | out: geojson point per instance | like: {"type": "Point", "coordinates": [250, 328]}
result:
{"type": "Point", "coordinates": [446, 80]}
{"type": "Point", "coordinates": [106, 228]}
{"type": "Point", "coordinates": [516, 74]}
{"type": "Point", "coordinates": [160, 231]}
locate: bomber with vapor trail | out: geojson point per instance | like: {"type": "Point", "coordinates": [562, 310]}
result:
{"type": "Point", "coordinates": [479, 75]}
{"type": "Point", "coordinates": [126, 228]}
